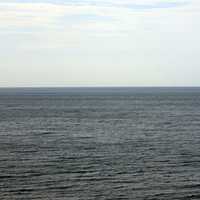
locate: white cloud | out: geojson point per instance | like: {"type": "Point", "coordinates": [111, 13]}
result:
{"type": "Point", "coordinates": [97, 19]}
{"type": "Point", "coordinates": [23, 15]}
{"type": "Point", "coordinates": [101, 36]}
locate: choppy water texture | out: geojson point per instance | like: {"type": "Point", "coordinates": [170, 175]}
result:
{"type": "Point", "coordinates": [86, 144]}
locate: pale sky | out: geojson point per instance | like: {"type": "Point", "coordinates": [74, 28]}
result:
{"type": "Point", "coordinates": [99, 43]}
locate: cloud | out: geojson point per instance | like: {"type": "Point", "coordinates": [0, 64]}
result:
{"type": "Point", "coordinates": [133, 4]}
{"type": "Point", "coordinates": [98, 18]}
{"type": "Point", "coordinates": [133, 38]}
{"type": "Point", "coordinates": [57, 14]}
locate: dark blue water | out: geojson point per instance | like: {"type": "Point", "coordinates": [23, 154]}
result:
{"type": "Point", "coordinates": [115, 143]}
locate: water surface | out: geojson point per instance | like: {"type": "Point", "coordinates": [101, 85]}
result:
{"type": "Point", "coordinates": [97, 143]}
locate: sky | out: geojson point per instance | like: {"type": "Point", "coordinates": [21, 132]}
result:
{"type": "Point", "coordinates": [52, 43]}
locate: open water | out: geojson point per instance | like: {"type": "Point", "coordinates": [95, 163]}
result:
{"type": "Point", "coordinates": [98, 143]}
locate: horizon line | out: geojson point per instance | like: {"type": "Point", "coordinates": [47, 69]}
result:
{"type": "Point", "coordinates": [49, 87]}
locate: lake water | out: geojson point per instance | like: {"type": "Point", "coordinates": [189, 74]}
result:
{"type": "Point", "coordinates": [98, 143]}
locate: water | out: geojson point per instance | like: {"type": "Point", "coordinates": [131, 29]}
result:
{"type": "Point", "coordinates": [123, 143]}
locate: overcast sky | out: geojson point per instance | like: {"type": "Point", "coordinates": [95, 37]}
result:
{"type": "Point", "coordinates": [99, 43]}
